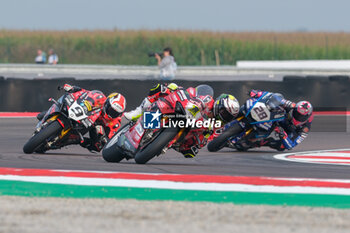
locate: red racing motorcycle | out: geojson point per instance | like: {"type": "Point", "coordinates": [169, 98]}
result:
{"type": "Point", "coordinates": [66, 121]}
{"type": "Point", "coordinates": [164, 126]}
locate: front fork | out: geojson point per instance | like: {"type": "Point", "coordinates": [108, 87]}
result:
{"type": "Point", "coordinates": [175, 139]}
{"type": "Point", "coordinates": [65, 129]}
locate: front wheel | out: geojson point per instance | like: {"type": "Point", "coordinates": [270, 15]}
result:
{"type": "Point", "coordinates": [113, 154]}
{"type": "Point", "coordinates": [218, 143]}
{"type": "Point", "coordinates": [156, 146]}
{"type": "Point", "coordinates": [38, 140]}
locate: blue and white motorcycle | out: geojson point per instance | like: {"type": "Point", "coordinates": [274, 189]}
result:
{"type": "Point", "coordinates": [254, 125]}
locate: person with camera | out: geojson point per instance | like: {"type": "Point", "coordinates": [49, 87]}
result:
{"type": "Point", "coordinates": [167, 64]}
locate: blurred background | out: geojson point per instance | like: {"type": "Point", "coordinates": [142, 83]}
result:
{"type": "Point", "coordinates": [200, 32]}
{"type": "Point", "coordinates": [299, 48]}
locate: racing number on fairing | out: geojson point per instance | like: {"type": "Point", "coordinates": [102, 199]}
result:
{"type": "Point", "coordinates": [260, 112]}
{"type": "Point", "coordinates": [78, 111]}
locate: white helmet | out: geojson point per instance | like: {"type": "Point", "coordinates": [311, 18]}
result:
{"type": "Point", "coordinates": [226, 108]}
{"type": "Point", "coordinates": [114, 105]}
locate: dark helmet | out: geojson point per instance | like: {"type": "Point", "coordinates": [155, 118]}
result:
{"type": "Point", "coordinates": [226, 108]}
{"type": "Point", "coordinates": [301, 113]}
{"type": "Point", "coordinates": [114, 105]}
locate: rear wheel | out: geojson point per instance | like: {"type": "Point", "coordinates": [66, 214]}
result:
{"type": "Point", "coordinates": [218, 143]}
{"type": "Point", "coordinates": [156, 146]}
{"type": "Point", "coordinates": [38, 140]}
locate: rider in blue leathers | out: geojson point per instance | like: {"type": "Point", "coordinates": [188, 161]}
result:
{"type": "Point", "coordinates": [294, 128]}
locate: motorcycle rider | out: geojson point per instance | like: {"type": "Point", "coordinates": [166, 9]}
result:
{"type": "Point", "coordinates": [294, 129]}
{"type": "Point", "coordinates": [107, 123]}
{"type": "Point", "coordinates": [225, 108]}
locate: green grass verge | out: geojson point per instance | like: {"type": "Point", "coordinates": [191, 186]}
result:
{"type": "Point", "coordinates": [33, 189]}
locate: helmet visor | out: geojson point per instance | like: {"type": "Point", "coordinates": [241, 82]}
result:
{"type": "Point", "coordinates": [225, 115]}
{"type": "Point", "coordinates": [109, 110]}
{"type": "Point", "coordinates": [300, 117]}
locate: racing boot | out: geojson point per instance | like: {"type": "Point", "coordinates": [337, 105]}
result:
{"type": "Point", "coordinates": [136, 113]}
{"type": "Point", "coordinates": [91, 146]}
{"type": "Point", "coordinates": [277, 145]}
{"type": "Point", "coordinates": [190, 153]}
{"type": "Point", "coordinates": [97, 139]}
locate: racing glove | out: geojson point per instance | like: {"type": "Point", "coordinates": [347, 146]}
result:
{"type": "Point", "coordinates": [286, 141]}
{"type": "Point", "coordinates": [162, 88]}
{"type": "Point", "coordinates": [255, 93]}
{"type": "Point", "coordinates": [159, 88]}
{"type": "Point", "coordinates": [69, 88]}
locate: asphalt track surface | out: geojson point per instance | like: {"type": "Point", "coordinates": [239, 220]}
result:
{"type": "Point", "coordinates": [14, 132]}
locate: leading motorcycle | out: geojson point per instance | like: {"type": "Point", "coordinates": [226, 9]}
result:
{"type": "Point", "coordinates": [66, 121]}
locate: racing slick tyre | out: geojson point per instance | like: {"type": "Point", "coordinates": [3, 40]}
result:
{"type": "Point", "coordinates": [220, 142]}
{"type": "Point", "coordinates": [38, 140]}
{"type": "Point", "coordinates": [112, 153]}
{"type": "Point", "coordinates": [156, 146]}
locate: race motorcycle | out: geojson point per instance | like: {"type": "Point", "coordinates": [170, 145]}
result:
{"type": "Point", "coordinates": [255, 139]}
{"type": "Point", "coordinates": [67, 120]}
{"type": "Point", "coordinates": [254, 125]}
{"type": "Point", "coordinates": [136, 140]}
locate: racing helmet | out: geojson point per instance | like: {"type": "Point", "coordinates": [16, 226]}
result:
{"type": "Point", "coordinates": [226, 108]}
{"type": "Point", "coordinates": [301, 113]}
{"type": "Point", "coordinates": [114, 105]}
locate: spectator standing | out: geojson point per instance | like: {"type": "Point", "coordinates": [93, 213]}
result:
{"type": "Point", "coordinates": [167, 65]}
{"type": "Point", "coordinates": [40, 57]}
{"type": "Point", "coordinates": [53, 58]}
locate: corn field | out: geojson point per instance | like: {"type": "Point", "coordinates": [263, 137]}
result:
{"type": "Point", "coordinates": [190, 48]}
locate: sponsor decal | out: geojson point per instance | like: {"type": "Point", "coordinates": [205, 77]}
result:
{"type": "Point", "coordinates": [88, 105]}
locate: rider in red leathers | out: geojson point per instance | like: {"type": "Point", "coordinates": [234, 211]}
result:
{"type": "Point", "coordinates": [108, 120]}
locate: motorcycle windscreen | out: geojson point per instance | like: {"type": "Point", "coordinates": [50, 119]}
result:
{"type": "Point", "coordinates": [274, 101]}
{"type": "Point", "coordinates": [204, 90]}
{"type": "Point", "coordinates": [52, 110]}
